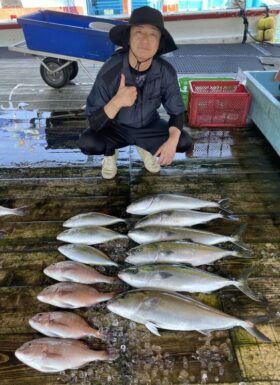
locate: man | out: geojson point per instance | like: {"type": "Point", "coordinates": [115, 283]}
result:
{"type": "Point", "coordinates": [129, 88]}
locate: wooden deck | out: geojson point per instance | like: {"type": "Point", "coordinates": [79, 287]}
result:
{"type": "Point", "coordinates": [41, 167]}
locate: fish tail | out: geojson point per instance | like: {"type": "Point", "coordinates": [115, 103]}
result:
{"type": "Point", "coordinates": [237, 237]}
{"type": "Point", "coordinates": [244, 254]}
{"type": "Point", "coordinates": [242, 284]}
{"type": "Point", "coordinates": [223, 204]}
{"type": "Point", "coordinates": [114, 280]}
{"type": "Point", "coordinates": [106, 296]}
{"type": "Point", "coordinates": [251, 328]}
{"type": "Point", "coordinates": [20, 210]}
{"type": "Point", "coordinates": [229, 216]}
{"type": "Point", "coordinates": [2, 233]}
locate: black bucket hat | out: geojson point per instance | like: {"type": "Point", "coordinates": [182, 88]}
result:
{"type": "Point", "coordinates": [143, 15]}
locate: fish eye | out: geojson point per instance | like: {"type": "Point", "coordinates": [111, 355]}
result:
{"type": "Point", "coordinates": [134, 270]}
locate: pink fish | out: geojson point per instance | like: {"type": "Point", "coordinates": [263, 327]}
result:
{"type": "Point", "coordinates": [52, 355]}
{"type": "Point", "coordinates": [77, 272]}
{"type": "Point", "coordinates": [72, 295]}
{"type": "Point", "coordinates": [63, 324]}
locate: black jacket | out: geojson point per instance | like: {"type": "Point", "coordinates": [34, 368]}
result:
{"type": "Point", "coordinates": [161, 86]}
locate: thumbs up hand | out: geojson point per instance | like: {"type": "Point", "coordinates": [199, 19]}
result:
{"type": "Point", "coordinates": [126, 95]}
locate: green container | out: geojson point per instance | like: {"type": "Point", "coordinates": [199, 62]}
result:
{"type": "Point", "coordinates": [184, 85]}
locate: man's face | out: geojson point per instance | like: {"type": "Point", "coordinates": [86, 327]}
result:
{"type": "Point", "coordinates": [144, 41]}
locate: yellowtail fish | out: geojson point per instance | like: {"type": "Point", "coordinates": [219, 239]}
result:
{"type": "Point", "coordinates": [172, 311]}
{"type": "Point", "coordinates": [181, 278]}
{"type": "Point", "coordinates": [159, 202]}
{"type": "Point", "coordinates": [194, 254]}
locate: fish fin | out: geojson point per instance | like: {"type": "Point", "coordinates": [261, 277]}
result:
{"type": "Point", "coordinates": [152, 327]}
{"type": "Point", "coordinates": [223, 204]}
{"type": "Point", "coordinates": [230, 217]}
{"type": "Point", "coordinates": [204, 332]}
{"type": "Point", "coordinates": [237, 237]}
{"type": "Point", "coordinates": [251, 328]}
{"type": "Point", "coordinates": [242, 284]}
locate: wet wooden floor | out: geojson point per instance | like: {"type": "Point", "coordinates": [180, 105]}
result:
{"type": "Point", "coordinates": [42, 168]}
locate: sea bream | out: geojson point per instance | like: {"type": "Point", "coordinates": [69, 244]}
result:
{"type": "Point", "coordinates": [150, 234]}
{"type": "Point", "coordinates": [51, 355]}
{"type": "Point", "coordinates": [86, 254]}
{"type": "Point", "coordinates": [63, 324]}
{"type": "Point", "coordinates": [20, 211]}
{"type": "Point", "coordinates": [179, 218]}
{"type": "Point", "coordinates": [77, 272]}
{"type": "Point", "coordinates": [89, 235]}
{"type": "Point", "coordinates": [172, 311]}
{"type": "Point", "coordinates": [160, 202]}
{"type": "Point", "coordinates": [71, 295]}
{"type": "Point", "coordinates": [180, 252]}
{"type": "Point", "coordinates": [92, 219]}
{"type": "Point", "coordinates": [181, 278]}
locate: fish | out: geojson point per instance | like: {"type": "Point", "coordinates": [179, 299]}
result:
{"type": "Point", "coordinates": [63, 324]}
{"type": "Point", "coordinates": [179, 218]}
{"type": "Point", "coordinates": [150, 234]}
{"type": "Point", "coordinates": [181, 278]}
{"type": "Point", "coordinates": [71, 295]}
{"type": "Point", "coordinates": [76, 272]}
{"type": "Point", "coordinates": [92, 219]}
{"type": "Point", "coordinates": [193, 254]}
{"type": "Point", "coordinates": [172, 311]}
{"type": "Point", "coordinates": [20, 211]}
{"type": "Point", "coordinates": [159, 202]}
{"type": "Point", "coordinates": [89, 235]}
{"type": "Point", "coordinates": [86, 254]}
{"type": "Point", "coordinates": [51, 355]}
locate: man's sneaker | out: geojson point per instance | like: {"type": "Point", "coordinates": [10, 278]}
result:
{"type": "Point", "coordinates": [109, 166]}
{"type": "Point", "coordinates": [150, 162]}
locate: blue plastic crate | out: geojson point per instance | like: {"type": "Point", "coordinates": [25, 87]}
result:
{"type": "Point", "coordinates": [67, 34]}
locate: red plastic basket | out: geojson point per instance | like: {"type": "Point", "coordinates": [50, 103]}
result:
{"type": "Point", "coordinates": [218, 104]}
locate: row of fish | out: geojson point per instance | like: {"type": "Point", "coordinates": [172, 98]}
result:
{"type": "Point", "coordinates": [62, 351]}
{"type": "Point", "coordinates": [158, 273]}
{"type": "Point", "coordinates": [157, 304]}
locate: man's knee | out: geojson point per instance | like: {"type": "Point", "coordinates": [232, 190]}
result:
{"type": "Point", "coordinates": [90, 143]}
{"type": "Point", "coordinates": [185, 141]}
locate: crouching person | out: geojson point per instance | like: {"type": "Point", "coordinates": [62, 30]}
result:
{"type": "Point", "coordinates": [129, 88]}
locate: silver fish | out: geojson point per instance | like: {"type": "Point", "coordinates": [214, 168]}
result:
{"type": "Point", "coordinates": [51, 355]}
{"type": "Point", "coordinates": [70, 295]}
{"type": "Point", "coordinates": [172, 311]}
{"type": "Point", "coordinates": [180, 252]}
{"type": "Point", "coordinates": [159, 202]}
{"type": "Point", "coordinates": [89, 235]}
{"type": "Point", "coordinates": [86, 254]}
{"type": "Point", "coordinates": [77, 272]}
{"type": "Point", "coordinates": [181, 278]}
{"type": "Point", "coordinates": [92, 219]}
{"type": "Point", "coordinates": [17, 211]}
{"type": "Point", "coordinates": [150, 234]}
{"type": "Point", "coordinates": [179, 218]}
{"type": "Point", "coordinates": [63, 324]}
